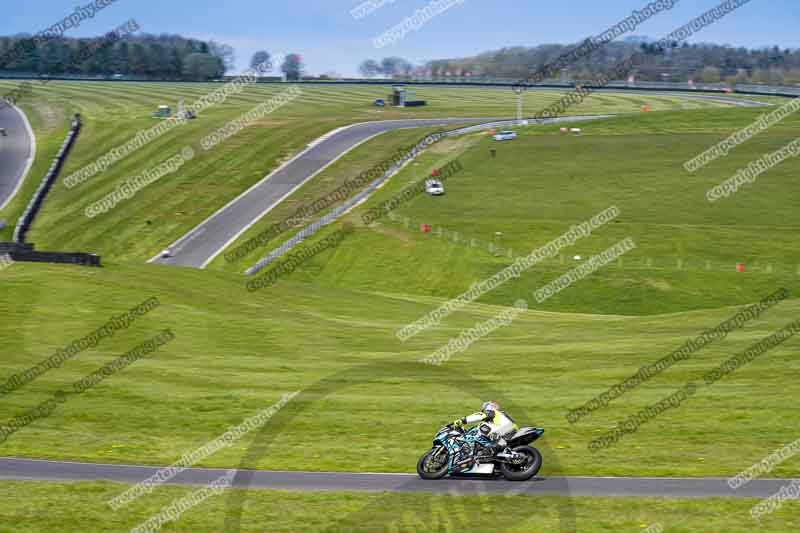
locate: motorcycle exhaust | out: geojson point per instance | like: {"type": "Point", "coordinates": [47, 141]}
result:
{"type": "Point", "coordinates": [513, 458]}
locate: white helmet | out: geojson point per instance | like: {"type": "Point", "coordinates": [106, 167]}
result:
{"type": "Point", "coordinates": [490, 406]}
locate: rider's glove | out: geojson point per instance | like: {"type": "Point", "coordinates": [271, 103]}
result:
{"type": "Point", "coordinates": [458, 423]}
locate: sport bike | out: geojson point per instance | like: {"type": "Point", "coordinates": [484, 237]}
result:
{"type": "Point", "coordinates": [457, 451]}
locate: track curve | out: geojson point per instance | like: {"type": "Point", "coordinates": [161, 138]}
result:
{"type": "Point", "coordinates": [202, 244]}
{"type": "Point", "coordinates": [17, 150]}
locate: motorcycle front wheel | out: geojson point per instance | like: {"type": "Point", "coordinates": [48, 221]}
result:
{"type": "Point", "coordinates": [433, 465]}
{"type": "Point", "coordinates": [526, 470]}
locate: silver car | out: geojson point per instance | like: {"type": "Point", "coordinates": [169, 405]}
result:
{"type": "Point", "coordinates": [434, 187]}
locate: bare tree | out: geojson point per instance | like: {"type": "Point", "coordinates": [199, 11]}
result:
{"type": "Point", "coordinates": [259, 58]}
{"type": "Point", "coordinates": [293, 67]}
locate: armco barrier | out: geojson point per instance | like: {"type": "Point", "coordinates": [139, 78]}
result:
{"type": "Point", "coordinates": [27, 217]}
{"type": "Point", "coordinates": [788, 91]}
{"type": "Point", "coordinates": [7, 247]}
{"type": "Point", "coordinates": [22, 252]}
{"type": "Point", "coordinates": [57, 257]}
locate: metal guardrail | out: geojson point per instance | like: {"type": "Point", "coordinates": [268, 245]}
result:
{"type": "Point", "coordinates": [763, 89]}
{"type": "Point", "coordinates": [27, 217]}
{"type": "Point", "coordinates": [24, 252]}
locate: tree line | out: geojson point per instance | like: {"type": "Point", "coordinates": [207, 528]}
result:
{"type": "Point", "coordinates": [708, 63]}
{"type": "Point", "coordinates": [146, 56]}
{"type": "Point", "coordinates": [163, 57]}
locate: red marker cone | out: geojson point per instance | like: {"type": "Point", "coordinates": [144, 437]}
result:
{"type": "Point", "coordinates": [435, 173]}
{"type": "Point", "coordinates": [426, 228]}
{"type": "Point", "coordinates": [740, 267]}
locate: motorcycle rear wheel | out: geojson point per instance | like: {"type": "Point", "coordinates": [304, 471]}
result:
{"type": "Point", "coordinates": [427, 471]}
{"type": "Point", "coordinates": [526, 471]}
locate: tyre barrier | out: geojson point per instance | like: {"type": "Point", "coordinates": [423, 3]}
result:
{"type": "Point", "coordinates": [24, 252]}
{"type": "Point", "coordinates": [26, 219]}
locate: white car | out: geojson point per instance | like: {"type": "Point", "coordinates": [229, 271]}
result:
{"type": "Point", "coordinates": [434, 187]}
{"type": "Point", "coordinates": [505, 135]}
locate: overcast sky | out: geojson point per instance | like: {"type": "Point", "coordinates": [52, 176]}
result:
{"type": "Point", "coordinates": [329, 38]}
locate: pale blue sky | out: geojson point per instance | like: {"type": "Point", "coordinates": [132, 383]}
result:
{"type": "Point", "coordinates": [330, 39]}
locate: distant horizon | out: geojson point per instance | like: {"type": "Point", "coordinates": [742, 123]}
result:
{"type": "Point", "coordinates": [333, 37]}
{"type": "Point", "coordinates": [631, 39]}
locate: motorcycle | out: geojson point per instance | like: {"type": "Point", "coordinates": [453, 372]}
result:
{"type": "Point", "coordinates": [457, 451]}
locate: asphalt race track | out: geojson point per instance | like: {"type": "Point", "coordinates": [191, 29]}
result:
{"type": "Point", "coordinates": [198, 247]}
{"type": "Point", "coordinates": [16, 152]}
{"type": "Point", "coordinates": [203, 243]}
{"type": "Point", "coordinates": [37, 470]}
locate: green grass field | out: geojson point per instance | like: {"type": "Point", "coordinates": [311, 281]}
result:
{"type": "Point", "coordinates": [82, 506]}
{"type": "Point", "coordinates": [542, 183]}
{"type": "Point", "coordinates": [114, 113]}
{"type": "Point", "coordinates": [238, 352]}
{"type": "Point", "coordinates": [366, 404]}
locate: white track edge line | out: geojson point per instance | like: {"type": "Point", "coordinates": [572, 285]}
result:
{"type": "Point", "coordinates": [282, 198]}
{"type": "Point", "coordinates": [322, 139]}
{"type": "Point", "coordinates": [216, 213]}
{"type": "Point", "coordinates": [313, 144]}
{"type": "Point", "coordinates": [31, 157]}
{"type": "Point", "coordinates": [309, 147]}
